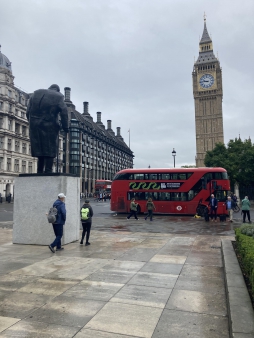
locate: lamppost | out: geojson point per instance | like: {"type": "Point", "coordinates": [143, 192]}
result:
{"type": "Point", "coordinates": [174, 155]}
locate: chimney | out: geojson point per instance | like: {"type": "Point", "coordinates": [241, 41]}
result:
{"type": "Point", "coordinates": [67, 94]}
{"type": "Point", "coordinates": [118, 131]}
{"type": "Point", "coordinates": [109, 124]}
{"type": "Point", "coordinates": [99, 117]}
{"type": "Point", "coordinates": [85, 108]}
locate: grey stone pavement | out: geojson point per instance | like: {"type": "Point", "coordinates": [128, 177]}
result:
{"type": "Point", "coordinates": [137, 279]}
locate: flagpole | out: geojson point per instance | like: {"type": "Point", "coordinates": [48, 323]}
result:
{"type": "Point", "coordinates": [129, 138]}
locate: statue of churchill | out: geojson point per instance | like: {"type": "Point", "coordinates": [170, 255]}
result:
{"type": "Point", "coordinates": [44, 108]}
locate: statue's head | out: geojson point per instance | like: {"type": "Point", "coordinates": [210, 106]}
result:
{"type": "Point", "coordinates": [55, 87]}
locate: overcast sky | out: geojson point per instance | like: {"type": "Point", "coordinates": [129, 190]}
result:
{"type": "Point", "coordinates": [132, 60]}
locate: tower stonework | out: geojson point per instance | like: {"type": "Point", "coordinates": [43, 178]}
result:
{"type": "Point", "coordinates": [207, 92]}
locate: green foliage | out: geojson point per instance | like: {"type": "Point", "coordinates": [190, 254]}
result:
{"type": "Point", "coordinates": [237, 158]}
{"type": "Point", "coordinates": [245, 248]}
{"type": "Point", "coordinates": [247, 230]}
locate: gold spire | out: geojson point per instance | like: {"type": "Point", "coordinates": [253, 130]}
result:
{"type": "Point", "coordinates": [204, 17]}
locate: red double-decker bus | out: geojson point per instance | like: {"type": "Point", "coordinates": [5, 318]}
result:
{"type": "Point", "coordinates": [103, 186]}
{"type": "Point", "coordinates": [174, 191]}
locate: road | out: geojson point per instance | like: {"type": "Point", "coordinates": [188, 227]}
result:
{"type": "Point", "coordinates": [105, 219]}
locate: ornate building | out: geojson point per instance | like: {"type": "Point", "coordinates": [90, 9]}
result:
{"type": "Point", "coordinates": [91, 150]}
{"type": "Point", "coordinates": [14, 133]}
{"type": "Point", "coordinates": [207, 91]}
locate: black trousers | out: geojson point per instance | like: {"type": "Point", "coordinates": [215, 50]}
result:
{"type": "Point", "coordinates": [86, 231]}
{"type": "Point", "coordinates": [150, 214]}
{"type": "Point", "coordinates": [214, 213]}
{"type": "Point", "coordinates": [246, 212]}
{"type": "Point", "coordinates": [132, 213]}
{"type": "Point", "coordinates": [47, 162]}
{"type": "Point", "coordinates": [58, 230]}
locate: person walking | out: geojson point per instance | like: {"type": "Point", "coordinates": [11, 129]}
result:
{"type": "Point", "coordinates": [133, 209]}
{"type": "Point", "coordinates": [86, 213]}
{"type": "Point", "coordinates": [150, 207]}
{"type": "Point", "coordinates": [59, 223]}
{"type": "Point", "coordinates": [230, 204]}
{"type": "Point", "coordinates": [214, 206]}
{"type": "Point", "coordinates": [246, 208]}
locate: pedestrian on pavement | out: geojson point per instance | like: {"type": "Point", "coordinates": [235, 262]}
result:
{"type": "Point", "coordinates": [246, 208]}
{"type": "Point", "coordinates": [86, 213]}
{"type": "Point", "coordinates": [59, 223]}
{"type": "Point", "coordinates": [214, 207]}
{"type": "Point", "coordinates": [150, 207]}
{"type": "Point", "coordinates": [234, 198]}
{"type": "Point", "coordinates": [230, 204]}
{"type": "Point", "coordinates": [133, 209]}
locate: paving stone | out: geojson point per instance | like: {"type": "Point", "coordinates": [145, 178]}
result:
{"type": "Point", "coordinates": [20, 304]}
{"type": "Point", "coordinates": [138, 254]}
{"type": "Point", "coordinates": [48, 287]}
{"type": "Point", "coordinates": [111, 276]}
{"type": "Point", "coordinates": [154, 279]}
{"type": "Point", "coordinates": [195, 301]}
{"type": "Point", "coordinates": [243, 335]}
{"type": "Point", "coordinates": [131, 266]}
{"type": "Point", "coordinates": [126, 319]}
{"type": "Point", "coordinates": [205, 284]}
{"type": "Point", "coordinates": [170, 259]}
{"type": "Point", "coordinates": [235, 280]}
{"type": "Point", "coordinates": [6, 322]}
{"type": "Point", "coordinates": [29, 329]}
{"type": "Point", "coordinates": [180, 324]}
{"type": "Point", "coordinates": [202, 271]}
{"type": "Point", "coordinates": [93, 290]}
{"type": "Point", "coordinates": [67, 311]}
{"type": "Point", "coordinates": [173, 269]}
{"type": "Point", "coordinates": [142, 295]}
{"type": "Point", "coordinates": [242, 318]}
{"type": "Point", "coordinates": [87, 333]}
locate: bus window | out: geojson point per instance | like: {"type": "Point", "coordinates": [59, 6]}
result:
{"type": "Point", "coordinates": [191, 195]}
{"type": "Point", "coordinates": [165, 196]}
{"type": "Point", "coordinates": [217, 176]}
{"type": "Point", "coordinates": [152, 176]}
{"type": "Point", "coordinates": [165, 176]}
{"type": "Point", "coordinates": [174, 176]}
{"type": "Point", "coordinates": [138, 176]}
{"type": "Point", "coordinates": [224, 176]}
{"type": "Point", "coordinates": [221, 195]}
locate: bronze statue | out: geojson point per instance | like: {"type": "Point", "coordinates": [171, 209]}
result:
{"type": "Point", "coordinates": [43, 111]}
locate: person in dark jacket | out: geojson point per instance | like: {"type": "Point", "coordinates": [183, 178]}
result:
{"type": "Point", "coordinates": [150, 207]}
{"type": "Point", "coordinates": [214, 206]}
{"type": "Point", "coordinates": [86, 224]}
{"type": "Point", "coordinates": [59, 223]}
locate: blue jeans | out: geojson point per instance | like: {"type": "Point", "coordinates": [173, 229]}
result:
{"type": "Point", "coordinates": [58, 230]}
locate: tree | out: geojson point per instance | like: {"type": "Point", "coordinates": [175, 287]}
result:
{"type": "Point", "coordinates": [237, 158]}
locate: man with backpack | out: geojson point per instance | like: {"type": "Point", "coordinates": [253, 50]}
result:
{"type": "Point", "coordinates": [57, 216]}
{"type": "Point", "coordinates": [86, 213]}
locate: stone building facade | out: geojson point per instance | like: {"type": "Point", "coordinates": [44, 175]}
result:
{"type": "Point", "coordinates": [207, 92]}
{"type": "Point", "coordinates": [92, 150]}
{"type": "Point", "coordinates": [15, 155]}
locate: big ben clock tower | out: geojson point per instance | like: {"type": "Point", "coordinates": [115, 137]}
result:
{"type": "Point", "coordinates": [207, 92]}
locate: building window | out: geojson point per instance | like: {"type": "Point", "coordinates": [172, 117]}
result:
{"type": "Point", "coordinates": [23, 166]}
{"type": "Point", "coordinates": [9, 93]}
{"type": "Point", "coordinates": [30, 167]}
{"type": "Point", "coordinates": [9, 144]}
{"type": "Point", "coordinates": [29, 149]}
{"type": "Point", "coordinates": [17, 128]}
{"type": "Point", "coordinates": [10, 107]}
{"type": "Point", "coordinates": [23, 114]}
{"type": "Point", "coordinates": [8, 164]}
{"type": "Point", "coordinates": [24, 148]}
{"type": "Point", "coordinates": [1, 162]}
{"type": "Point", "coordinates": [1, 122]}
{"type": "Point", "coordinates": [1, 105]}
{"type": "Point", "coordinates": [23, 130]}
{"type": "Point", "coordinates": [9, 124]}
{"type": "Point", "coordinates": [1, 142]}
{"type": "Point", "coordinates": [16, 112]}
{"type": "Point", "coordinates": [16, 166]}
{"type": "Point", "coordinates": [17, 146]}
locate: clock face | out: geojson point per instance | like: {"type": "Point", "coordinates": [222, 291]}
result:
{"type": "Point", "coordinates": [206, 81]}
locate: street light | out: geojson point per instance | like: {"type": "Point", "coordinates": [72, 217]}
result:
{"type": "Point", "coordinates": [174, 155]}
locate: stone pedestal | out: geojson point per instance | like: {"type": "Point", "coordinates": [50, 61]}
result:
{"type": "Point", "coordinates": [34, 196]}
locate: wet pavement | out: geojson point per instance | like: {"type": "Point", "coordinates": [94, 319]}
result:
{"type": "Point", "coordinates": [137, 279]}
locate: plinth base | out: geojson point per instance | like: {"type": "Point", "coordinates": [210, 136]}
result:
{"type": "Point", "coordinates": [34, 196]}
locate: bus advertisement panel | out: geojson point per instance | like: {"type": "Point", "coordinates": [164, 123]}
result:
{"type": "Point", "coordinates": [174, 191]}
{"type": "Point", "coordinates": [103, 186]}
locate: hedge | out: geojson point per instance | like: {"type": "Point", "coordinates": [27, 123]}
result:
{"type": "Point", "coordinates": [245, 248]}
